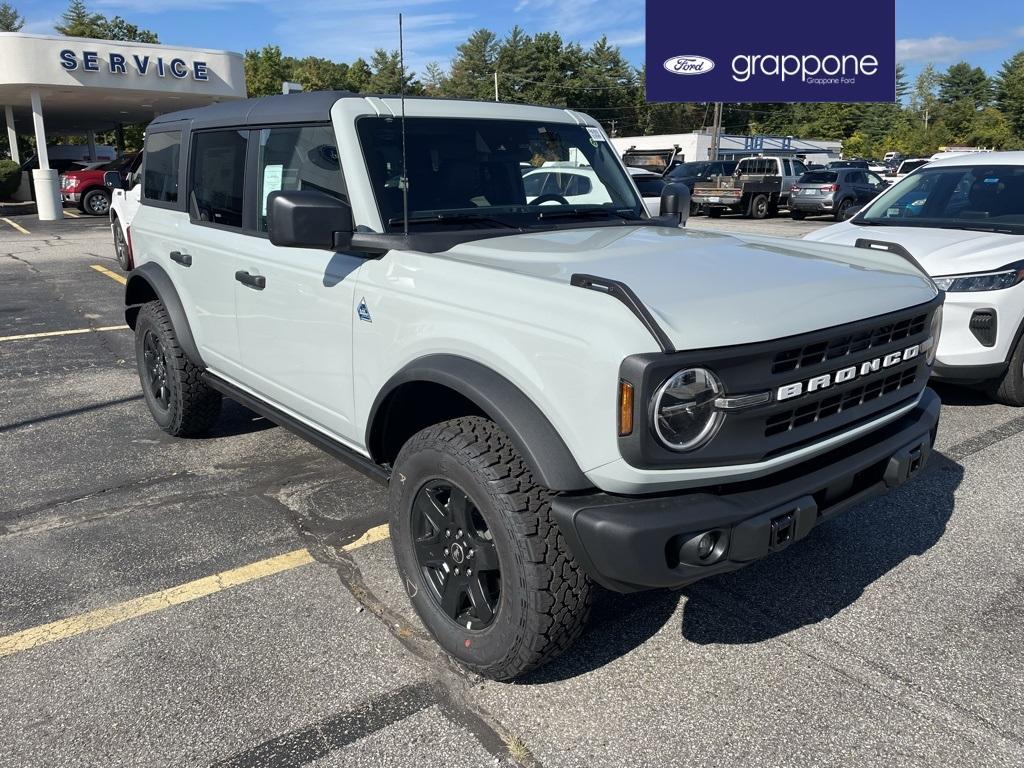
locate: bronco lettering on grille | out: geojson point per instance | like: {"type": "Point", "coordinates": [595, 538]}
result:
{"type": "Point", "coordinates": [826, 380]}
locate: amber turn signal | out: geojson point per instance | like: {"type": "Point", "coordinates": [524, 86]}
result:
{"type": "Point", "coordinates": [625, 408]}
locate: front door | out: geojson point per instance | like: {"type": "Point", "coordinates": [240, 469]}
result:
{"type": "Point", "coordinates": [295, 306]}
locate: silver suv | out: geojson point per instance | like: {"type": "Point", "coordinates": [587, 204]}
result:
{"type": "Point", "coordinates": [555, 393]}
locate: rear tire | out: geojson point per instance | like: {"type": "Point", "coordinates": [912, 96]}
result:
{"type": "Point", "coordinates": [844, 206]}
{"type": "Point", "coordinates": [758, 207]}
{"type": "Point", "coordinates": [181, 403]}
{"type": "Point", "coordinates": [460, 487]}
{"type": "Point", "coordinates": [1009, 390]}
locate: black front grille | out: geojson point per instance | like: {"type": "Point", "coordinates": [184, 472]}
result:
{"type": "Point", "coordinates": [848, 344]}
{"type": "Point", "coordinates": [838, 403]}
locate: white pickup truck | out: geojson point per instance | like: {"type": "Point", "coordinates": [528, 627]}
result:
{"type": "Point", "coordinates": [555, 394]}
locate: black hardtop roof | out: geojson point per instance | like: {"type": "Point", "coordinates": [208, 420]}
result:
{"type": "Point", "coordinates": [313, 107]}
{"type": "Point", "coordinates": [290, 108]}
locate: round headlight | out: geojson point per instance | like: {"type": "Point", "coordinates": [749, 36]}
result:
{"type": "Point", "coordinates": [685, 416]}
{"type": "Point", "coordinates": [933, 334]}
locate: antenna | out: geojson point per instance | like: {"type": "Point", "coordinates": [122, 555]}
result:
{"type": "Point", "coordinates": [405, 176]}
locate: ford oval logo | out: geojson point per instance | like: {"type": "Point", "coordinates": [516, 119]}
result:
{"type": "Point", "coordinates": [689, 65]}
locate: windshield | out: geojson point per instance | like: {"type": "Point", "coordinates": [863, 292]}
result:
{"type": "Point", "coordinates": [494, 173]}
{"type": "Point", "coordinates": [911, 165]}
{"type": "Point", "coordinates": [984, 198]}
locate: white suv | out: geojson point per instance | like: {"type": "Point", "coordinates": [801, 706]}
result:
{"type": "Point", "coordinates": [556, 394]}
{"type": "Point", "coordinates": [962, 219]}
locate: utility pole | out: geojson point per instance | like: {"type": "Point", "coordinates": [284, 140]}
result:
{"type": "Point", "coordinates": [716, 131]}
{"type": "Point", "coordinates": [496, 87]}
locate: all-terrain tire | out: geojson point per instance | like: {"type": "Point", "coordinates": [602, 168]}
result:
{"type": "Point", "coordinates": [758, 207]}
{"type": "Point", "coordinates": [180, 401]}
{"type": "Point", "coordinates": [1009, 390]}
{"type": "Point", "coordinates": [544, 597]}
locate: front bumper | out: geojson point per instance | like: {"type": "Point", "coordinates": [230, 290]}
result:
{"type": "Point", "coordinates": [628, 543]}
{"type": "Point", "coordinates": [71, 197]}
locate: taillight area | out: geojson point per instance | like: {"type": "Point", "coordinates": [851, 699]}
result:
{"type": "Point", "coordinates": [794, 188]}
{"type": "Point", "coordinates": [830, 188]}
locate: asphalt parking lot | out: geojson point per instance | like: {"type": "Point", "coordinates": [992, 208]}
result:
{"type": "Point", "coordinates": [231, 600]}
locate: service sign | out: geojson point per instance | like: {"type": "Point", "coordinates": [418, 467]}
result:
{"type": "Point", "coordinates": [800, 50]}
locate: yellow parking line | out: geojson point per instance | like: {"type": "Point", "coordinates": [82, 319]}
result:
{"type": "Point", "coordinates": [17, 226]}
{"type": "Point", "coordinates": [47, 334]}
{"type": "Point", "coordinates": [72, 214]}
{"type": "Point", "coordinates": [157, 601]}
{"type": "Point", "coordinates": [112, 275]}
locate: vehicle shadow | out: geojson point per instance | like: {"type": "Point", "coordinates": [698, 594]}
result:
{"type": "Point", "coordinates": [829, 570]}
{"type": "Point", "coordinates": [812, 580]}
{"type": "Point", "coordinates": [236, 419]}
{"type": "Point", "coordinates": [960, 394]}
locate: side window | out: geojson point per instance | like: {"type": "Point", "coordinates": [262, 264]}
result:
{"type": "Point", "coordinates": [293, 158]}
{"type": "Point", "coordinates": [576, 185]}
{"type": "Point", "coordinates": [857, 177]}
{"type": "Point", "coordinates": [534, 183]}
{"type": "Point", "coordinates": [161, 172]}
{"type": "Point", "coordinates": [218, 176]}
{"type": "Point", "coordinates": [788, 167]}
{"type": "Point", "coordinates": [799, 169]}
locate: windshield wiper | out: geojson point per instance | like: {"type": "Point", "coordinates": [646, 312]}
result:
{"type": "Point", "coordinates": [623, 213]}
{"type": "Point", "coordinates": [451, 218]}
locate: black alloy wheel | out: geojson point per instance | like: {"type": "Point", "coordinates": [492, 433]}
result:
{"type": "Point", "coordinates": [156, 380]}
{"type": "Point", "coordinates": [456, 554]}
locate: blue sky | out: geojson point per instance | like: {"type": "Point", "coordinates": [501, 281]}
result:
{"type": "Point", "coordinates": [984, 32]}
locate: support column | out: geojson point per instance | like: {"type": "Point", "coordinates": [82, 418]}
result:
{"type": "Point", "coordinates": [48, 205]}
{"type": "Point", "coordinates": [91, 138]}
{"type": "Point", "coordinates": [12, 135]}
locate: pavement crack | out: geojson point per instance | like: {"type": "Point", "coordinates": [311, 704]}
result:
{"type": "Point", "coordinates": [453, 681]}
{"type": "Point", "coordinates": [986, 439]}
{"type": "Point", "coordinates": [27, 263]}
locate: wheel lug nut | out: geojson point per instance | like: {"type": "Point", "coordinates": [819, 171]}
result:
{"type": "Point", "coordinates": [459, 534]}
{"type": "Point", "coordinates": [446, 551]}
{"type": "Point", "coordinates": [469, 571]}
{"type": "Point", "coordinates": [469, 555]}
{"type": "Point", "coordinates": [456, 571]}
{"type": "Point", "coordinates": [447, 534]}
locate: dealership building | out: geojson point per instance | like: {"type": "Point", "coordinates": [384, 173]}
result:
{"type": "Point", "coordinates": [53, 86]}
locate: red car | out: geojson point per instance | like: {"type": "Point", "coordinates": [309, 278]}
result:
{"type": "Point", "coordinates": [85, 188]}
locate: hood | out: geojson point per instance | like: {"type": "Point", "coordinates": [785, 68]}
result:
{"type": "Point", "coordinates": [940, 251]}
{"type": "Point", "coordinates": [711, 290]}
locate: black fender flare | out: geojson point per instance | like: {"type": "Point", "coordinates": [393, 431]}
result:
{"type": "Point", "coordinates": [537, 441]}
{"type": "Point", "coordinates": [148, 279]}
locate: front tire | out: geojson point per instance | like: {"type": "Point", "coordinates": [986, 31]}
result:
{"type": "Point", "coordinates": [124, 257]}
{"type": "Point", "coordinates": [96, 202]}
{"type": "Point", "coordinates": [482, 560]}
{"type": "Point", "coordinates": [180, 402]}
{"type": "Point", "coordinates": [1009, 390]}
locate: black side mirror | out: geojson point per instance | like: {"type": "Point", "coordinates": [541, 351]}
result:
{"type": "Point", "coordinates": [113, 180]}
{"type": "Point", "coordinates": [675, 201]}
{"type": "Point", "coordinates": [309, 219]}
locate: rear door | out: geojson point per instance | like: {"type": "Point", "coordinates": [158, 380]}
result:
{"type": "Point", "coordinates": [295, 329]}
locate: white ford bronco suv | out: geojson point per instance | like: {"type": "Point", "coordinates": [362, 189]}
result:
{"type": "Point", "coordinates": [556, 394]}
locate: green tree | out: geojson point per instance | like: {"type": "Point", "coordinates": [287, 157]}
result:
{"type": "Point", "coordinates": [359, 75]}
{"type": "Point", "coordinates": [265, 71]}
{"type": "Point", "coordinates": [1010, 92]}
{"type": "Point", "coordinates": [962, 82]}
{"type": "Point", "coordinates": [10, 19]}
{"type": "Point", "coordinates": [992, 129]}
{"type": "Point", "coordinates": [318, 74]}
{"type": "Point", "coordinates": [435, 81]}
{"type": "Point", "coordinates": [78, 21]}
{"type": "Point", "coordinates": [474, 65]}
{"type": "Point", "coordinates": [119, 29]}
{"type": "Point", "coordinates": [924, 98]}
{"type": "Point", "coordinates": [387, 74]}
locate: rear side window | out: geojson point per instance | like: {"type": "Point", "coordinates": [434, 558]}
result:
{"type": "Point", "coordinates": [218, 177]}
{"type": "Point", "coordinates": [160, 182]}
{"type": "Point", "coordinates": [293, 158]}
{"type": "Point", "coordinates": [650, 187]}
{"type": "Point", "coordinates": [573, 185]}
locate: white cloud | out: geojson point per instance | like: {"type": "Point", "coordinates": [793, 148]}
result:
{"type": "Point", "coordinates": [942, 48]}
